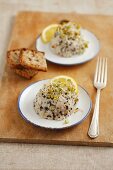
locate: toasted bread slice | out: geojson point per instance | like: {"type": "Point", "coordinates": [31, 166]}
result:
{"type": "Point", "coordinates": [13, 58]}
{"type": "Point", "coordinates": [26, 73]}
{"type": "Point", "coordinates": [32, 59]}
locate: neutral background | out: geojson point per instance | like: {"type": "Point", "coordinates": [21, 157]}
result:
{"type": "Point", "coordinates": [50, 157]}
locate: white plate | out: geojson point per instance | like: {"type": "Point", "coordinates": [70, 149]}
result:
{"type": "Point", "coordinates": [90, 52]}
{"type": "Point", "coordinates": [25, 106]}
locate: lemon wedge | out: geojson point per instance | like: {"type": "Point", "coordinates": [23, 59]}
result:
{"type": "Point", "coordinates": [48, 33]}
{"type": "Point", "coordinates": [64, 79]}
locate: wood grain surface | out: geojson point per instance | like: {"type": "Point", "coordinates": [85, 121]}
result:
{"type": "Point", "coordinates": [27, 26]}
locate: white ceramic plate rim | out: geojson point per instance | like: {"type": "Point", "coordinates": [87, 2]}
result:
{"type": "Point", "coordinates": [28, 121]}
{"type": "Point", "coordinates": [74, 62]}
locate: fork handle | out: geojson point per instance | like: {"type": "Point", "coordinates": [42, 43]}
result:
{"type": "Point", "coordinates": [94, 126]}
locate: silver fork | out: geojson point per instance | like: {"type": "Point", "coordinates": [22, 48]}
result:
{"type": "Point", "coordinates": [100, 81]}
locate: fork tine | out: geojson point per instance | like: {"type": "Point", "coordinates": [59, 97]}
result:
{"type": "Point", "coordinates": [99, 71]}
{"type": "Point", "coordinates": [103, 68]}
{"type": "Point", "coordinates": [96, 72]}
{"type": "Point", "coordinates": [105, 77]}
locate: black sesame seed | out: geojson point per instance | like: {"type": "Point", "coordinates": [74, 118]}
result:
{"type": "Point", "coordinates": [41, 107]}
{"type": "Point", "coordinates": [53, 115]}
{"type": "Point", "coordinates": [67, 107]}
{"type": "Point", "coordinates": [48, 115]}
{"type": "Point", "coordinates": [46, 108]}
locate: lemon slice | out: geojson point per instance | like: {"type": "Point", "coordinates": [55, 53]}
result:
{"type": "Point", "coordinates": [65, 79]}
{"type": "Point", "coordinates": [48, 33]}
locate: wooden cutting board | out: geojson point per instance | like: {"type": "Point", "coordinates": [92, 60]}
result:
{"type": "Point", "coordinates": [13, 128]}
